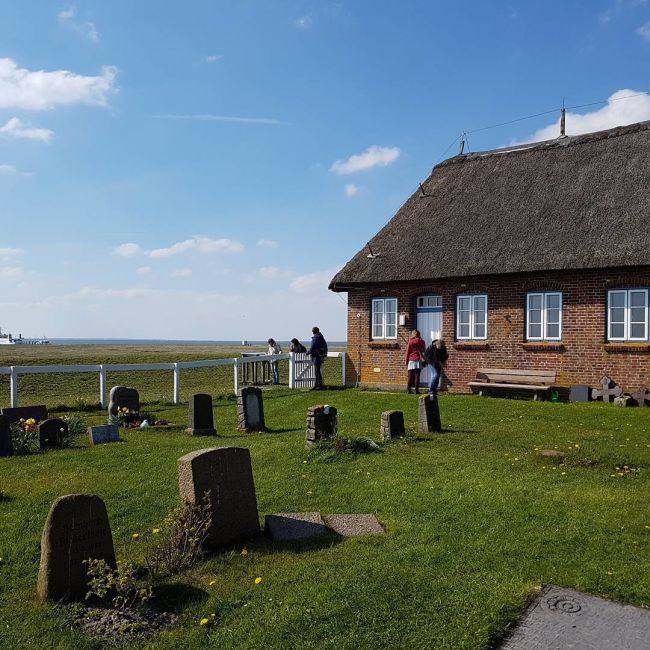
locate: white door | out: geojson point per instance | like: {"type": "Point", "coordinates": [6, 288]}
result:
{"type": "Point", "coordinates": [429, 322]}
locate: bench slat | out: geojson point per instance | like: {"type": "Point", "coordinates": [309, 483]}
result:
{"type": "Point", "coordinates": [516, 371]}
{"type": "Point", "coordinates": [487, 385]}
{"type": "Point", "coordinates": [517, 379]}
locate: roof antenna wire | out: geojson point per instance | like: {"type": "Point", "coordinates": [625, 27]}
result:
{"type": "Point", "coordinates": [563, 120]}
{"type": "Point", "coordinates": [461, 147]}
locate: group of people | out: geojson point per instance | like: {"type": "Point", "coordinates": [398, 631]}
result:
{"type": "Point", "coordinates": [418, 356]}
{"type": "Point", "coordinates": [317, 351]}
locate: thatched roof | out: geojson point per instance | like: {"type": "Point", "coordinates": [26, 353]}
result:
{"type": "Point", "coordinates": [572, 203]}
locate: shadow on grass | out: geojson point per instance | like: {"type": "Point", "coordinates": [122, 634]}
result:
{"type": "Point", "coordinates": [328, 540]}
{"type": "Point", "coordinates": [508, 619]}
{"type": "Point", "coordinates": [177, 596]}
{"type": "Point", "coordinates": [269, 430]}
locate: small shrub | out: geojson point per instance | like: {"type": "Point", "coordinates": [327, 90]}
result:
{"type": "Point", "coordinates": [178, 543]}
{"type": "Point", "coordinates": [25, 437]}
{"type": "Point", "coordinates": [116, 587]}
{"type": "Point", "coordinates": [340, 448]}
{"type": "Point", "coordinates": [76, 425]}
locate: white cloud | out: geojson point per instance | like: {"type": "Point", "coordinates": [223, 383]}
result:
{"type": "Point", "coordinates": [143, 270]}
{"type": "Point", "coordinates": [10, 253]}
{"type": "Point", "coordinates": [304, 22]}
{"type": "Point", "coordinates": [39, 90]}
{"type": "Point", "coordinates": [10, 271]}
{"type": "Point", "coordinates": [127, 250]}
{"type": "Point", "coordinates": [351, 189]}
{"type": "Point", "coordinates": [182, 273]}
{"type": "Point", "coordinates": [220, 118]}
{"type": "Point", "coordinates": [618, 111]}
{"type": "Point", "coordinates": [213, 58]}
{"type": "Point", "coordinates": [7, 169]}
{"type": "Point", "coordinates": [644, 31]}
{"type": "Point", "coordinates": [272, 273]}
{"type": "Point", "coordinates": [16, 128]}
{"type": "Point", "coordinates": [86, 28]}
{"type": "Point", "coordinates": [372, 157]}
{"type": "Point", "coordinates": [203, 245]}
{"type": "Point", "coordinates": [267, 243]}
{"type": "Point", "coordinates": [309, 282]}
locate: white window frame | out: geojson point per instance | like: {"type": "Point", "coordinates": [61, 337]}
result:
{"type": "Point", "coordinates": [382, 326]}
{"type": "Point", "coordinates": [545, 295]}
{"type": "Point", "coordinates": [432, 301]}
{"type": "Point", "coordinates": [473, 297]}
{"type": "Point", "coordinates": [627, 315]}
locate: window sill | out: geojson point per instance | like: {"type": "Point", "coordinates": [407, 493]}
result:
{"type": "Point", "coordinates": [471, 345]}
{"type": "Point", "coordinates": [627, 348]}
{"type": "Point", "coordinates": [543, 346]}
{"type": "Point", "coordinates": [383, 345]}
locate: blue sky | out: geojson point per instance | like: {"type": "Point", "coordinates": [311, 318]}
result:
{"type": "Point", "coordinates": [201, 169]}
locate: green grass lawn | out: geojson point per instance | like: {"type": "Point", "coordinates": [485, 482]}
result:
{"type": "Point", "coordinates": [474, 520]}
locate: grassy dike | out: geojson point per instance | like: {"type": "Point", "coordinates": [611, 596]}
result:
{"type": "Point", "coordinates": [475, 520]}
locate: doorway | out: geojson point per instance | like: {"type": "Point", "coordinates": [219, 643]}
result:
{"type": "Point", "coordinates": [429, 321]}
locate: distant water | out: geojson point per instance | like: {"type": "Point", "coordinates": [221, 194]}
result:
{"type": "Point", "coordinates": [172, 342]}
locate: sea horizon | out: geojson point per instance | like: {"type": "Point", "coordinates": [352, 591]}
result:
{"type": "Point", "coordinates": [187, 342]}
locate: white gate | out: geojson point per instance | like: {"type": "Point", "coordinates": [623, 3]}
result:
{"type": "Point", "coordinates": [429, 322]}
{"type": "Point", "coordinates": [304, 373]}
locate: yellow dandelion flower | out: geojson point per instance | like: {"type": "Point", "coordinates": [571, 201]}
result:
{"type": "Point", "coordinates": [155, 531]}
{"type": "Point", "coordinates": [258, 580]}
{"type": "Point", "coordinates": [135, 536]}
{"type": "Point", "coordinates": [204, 621]}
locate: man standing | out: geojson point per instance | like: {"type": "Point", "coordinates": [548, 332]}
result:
{"type": "Point", "coordinates": [274, 348]}
{"type": "Point", "coordinates": [318, 354]}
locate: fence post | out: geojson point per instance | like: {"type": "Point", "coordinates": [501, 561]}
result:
{"type": "Point", "coordinates": [343, 368]}
{"type": "Point", "coordinates": [236, 374]}
{"type": "Point", "coordinates": [13, 384]}
{"type": "Point", "coordinates": [292, 370]}
{"type": "Point", "coordinates": [102, 385]}
{"type": "Point", "coordinates": [177, 383]}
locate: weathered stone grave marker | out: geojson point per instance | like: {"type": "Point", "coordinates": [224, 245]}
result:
{"type": "Point", "coordinates": [641, 396]}
{"type": "Point", "coordinates": [322, 423]}
{"type": "Point", "coordinates": [52, 432]}
{"type": "Point", "coordinates": [103, 433]}
{"type": "Point", "coordinates": [429, 414]}
{"type": "Point", "coordinates": [607, 392]}
{"type": "Point", "coordinates": [392, 425]}
{"type": "Point", "coordinates": [250, 409]}
{"type": "Point", "coordinates": [76, 529]}
{"type": "Point", "coordinates": [352, 525]}
{"type": "Point", "coordinates": [294, 526]}
{"type": "Point", "coordinates": [123, 396]}
{"type": "Point", "coordinates": [579, 393]}
{"type": "Point", "coordinates": [226, 476]}
{"type": "Point", "coordinates": [200, 418]}
{"type": "Point", "coordinates": [39, 413]}
{"type": "Point", "coordinates": [6, 443]}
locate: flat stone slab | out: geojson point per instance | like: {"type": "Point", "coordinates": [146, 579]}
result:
{"type": "Point", "coordinates": [353, 525]}
{"type": "Point", "coordinates": [295, 526]}
{"type": "Point", "coordinates": [560, 618]}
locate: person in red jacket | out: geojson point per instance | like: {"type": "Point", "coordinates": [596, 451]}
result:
{"type": "Point", "coordinates": [414, 356]}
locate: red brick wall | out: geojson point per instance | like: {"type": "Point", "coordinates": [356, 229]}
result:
{"type": "Point", "coordinates": [584, 356]}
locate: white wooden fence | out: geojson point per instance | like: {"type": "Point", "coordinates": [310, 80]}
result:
{"type": "Point", "coordinates": [237, 363]}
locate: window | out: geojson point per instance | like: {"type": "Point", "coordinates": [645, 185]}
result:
{"type": "Point", "coordinates": [471, 317]}
{"type": "Point", "coordinates": [425, 302]}
{"type": "Point", "coordinates": [384, 318]}
{"type": "Point", "coordinates": [544, 316]}
{"type": "Point", "coordinates": [627, 315]}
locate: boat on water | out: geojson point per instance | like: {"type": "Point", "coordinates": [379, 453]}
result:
{"type": "Point", "coordinates": [8, 339]}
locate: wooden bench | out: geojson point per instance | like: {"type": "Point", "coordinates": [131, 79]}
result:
{"type": "Point", "coordinates": [536, 381]}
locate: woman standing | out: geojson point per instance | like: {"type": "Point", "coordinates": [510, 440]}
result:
{"type": "Point", "coordinates": [436, 356]}
{"type": "Point", "coordinates": [274, 348]}
{"type": "Point", "coordinates": [414, 355]}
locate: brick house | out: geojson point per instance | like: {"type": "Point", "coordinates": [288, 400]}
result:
{"type": "Point", "coordinates": [535, 256]}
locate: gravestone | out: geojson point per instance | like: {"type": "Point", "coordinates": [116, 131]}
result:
{"type": "Point", "coordinates": [579, 393]}
{"type": "Point", "coordinates": [52, 433]}
{"type": "Point", "coordinates": [608, 391]}
{"type": "Point", "coordinates": [6, 443]}
{"type": "Point", "coordinates": [354, 525]}
{"type": "Point", "coordinates": [641, 397]}
{"type": "Point", "coordinates": [429, 415]}
{"type": "Point", "coordinates": [200, 418]}
{"type": "Point", "coordinates": [121, 396]}
{"type": "Point", "coordinates": [392, 425]}
{"type": "Point", "coordinates": [250, 409]}
{"type": "Point", "coordinates": [563, 618]}
{"type": "Point", "coordinates": [624, 400]}
{"type": "Point", "coordinates": [294, 526]}
{"type": "Point", "coordinates": [39, 413]}
{"type": "Point", "coordinates": [226, 476]}
{"type": "Point", "coordinates": [103, 433]}
{"type": "Point", "coordinates": [76, 529]}
{"type": "Point", "coordinates": [322, 423]}
{"type": "Point", "coordinates": [551, 453]}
